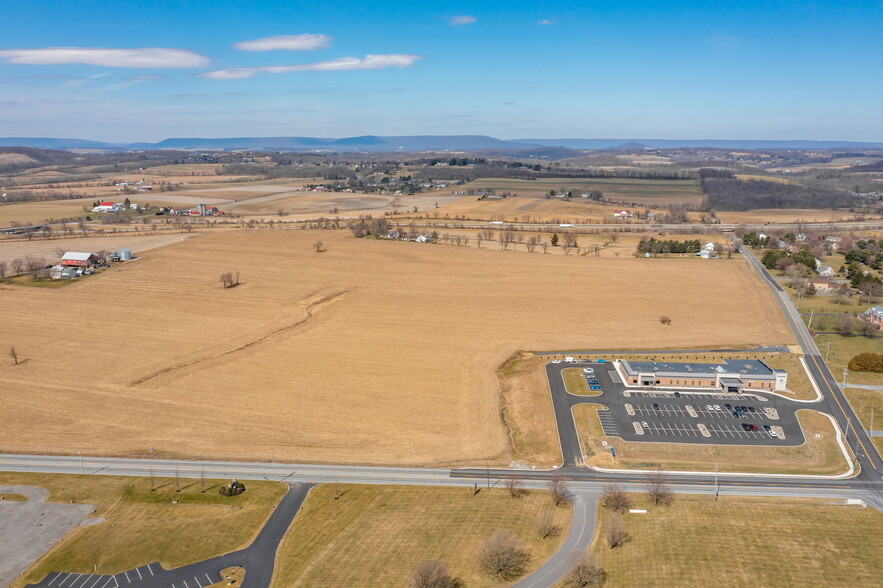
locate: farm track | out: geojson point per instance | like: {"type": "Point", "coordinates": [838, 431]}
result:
{"type": "Point", "coordinates": [310, 311]}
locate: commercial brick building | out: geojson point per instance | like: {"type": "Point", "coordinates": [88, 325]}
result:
{"type": "Point", "coordinates": [730, 375]}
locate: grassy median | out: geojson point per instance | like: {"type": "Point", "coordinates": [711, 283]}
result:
{"type": "Point", "coordinates": [742, 541]}
{"type": "Point", "coordinates": [142, 527]}
{"type": "Point", "coordinates": [375, 535]}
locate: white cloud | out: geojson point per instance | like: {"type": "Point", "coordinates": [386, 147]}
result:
{"type": "Point", "coordinates": [305, 42]}
{"type": "Point", "coordinates": [462, 19]}
{"type": "Point", "coordinates": [44, 101]}
{"type": "Point", "coordinates": [145, 77]}
{"type": "Point", "coordinates": [342, 64]}
{"type": "Point", "coordinates": [148, 57]}
{"type": "Point", "coordinates": [546, 22]}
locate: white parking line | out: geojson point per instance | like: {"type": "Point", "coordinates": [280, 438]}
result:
{"type": "Point", "coordinates": [127, 577]}
{"type": "Point", "coordinates": [197, 581]}
{"type": "Point", "coordinates": [66, 579]}
{"type": "Point", "coordinates": [140, 577]}
{"type": "Point", "coordinates": [98, 579]}
{"type": "Point", "coordinates": [209, 579]}
{"type": "Point", "coordinates": [58, 575]}
{"type": "Point", "coordinates": [89, 577]}
{"type": "Point", "coordinates": [108, 582]}
{"type": "Point", "coordinates": [185, 584]}
{"type": "Point", "coordinates": [149, 570]}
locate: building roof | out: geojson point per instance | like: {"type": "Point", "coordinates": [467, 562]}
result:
{"type": "Point", "coordinates": [736, 367]}
{"type": "Point", "coordinates": [736, 382]}
{"type": "Point", "coordinates": [77, 256]}
{"type": "Point", "coordinates": [106, 203]}
{"type": "Point", "coordinates": [876, 311]}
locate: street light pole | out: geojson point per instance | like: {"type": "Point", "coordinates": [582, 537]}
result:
{"type": "Point", "coordinates": [845, 372]}
{"type": "Point", "coordinates": [82, 467]}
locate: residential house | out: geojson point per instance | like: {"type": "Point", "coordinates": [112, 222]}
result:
{"type": "Point", "coordinates": [826, 271]}
{"type": "Point", "coordinates": [873, 315]}
{"type": "Point", "coordinates": [623, 213]}
{"type": "Point", "coordinates": [823, 285]}
{"type": "Point", "coordinates": [832, 243]}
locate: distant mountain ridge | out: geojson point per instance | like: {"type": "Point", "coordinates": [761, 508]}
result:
{"type": "Point", "coordinates": [376, 144]}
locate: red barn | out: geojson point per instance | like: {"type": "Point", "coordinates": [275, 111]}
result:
{"type": "Point", "coordinates": [79, 259]}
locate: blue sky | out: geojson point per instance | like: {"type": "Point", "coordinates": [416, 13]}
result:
{"type": "Point", "coordinates": [144, 71]}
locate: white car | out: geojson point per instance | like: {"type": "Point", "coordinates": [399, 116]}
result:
{"type": "Point", "coordinates": [773, 434]}
{"type": "Point", "coordinates": [709, 407]}
{"type": "Point", "coordinates": [556, 361]}
{"type": "Point", "coordinates": [645, 425]}
{"type": "Point", "coordinates": [716, 407]}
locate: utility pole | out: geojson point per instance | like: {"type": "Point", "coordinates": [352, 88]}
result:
{"type": "Point", "coordinates": [487, 468]}
{"type": "Point", "coordinates": [811, 313]}
{"type": "Point", "coordinates": [82, 467]}
{"type": "Point", "coordinates": [274, 467]}
{"type": "Point", "coordinates": [872, 420]}
{"type": "Point", "coordinates": [845, 372]}
{"type": "Point", "coordinates": [846, 436]}
{"type": "Point", "coordinates": [716, 484]}
{"type": "Point", "coordinates": [828, 352]}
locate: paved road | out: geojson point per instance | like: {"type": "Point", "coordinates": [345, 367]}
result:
{"type": "Point", "coordinates": [576, 544]}
{"type": "Point", "coordinates": [30, 528]}
{"type": "Point", "coordinates": [833, 402]}
{"type": "Point", "coordinates": [258, 559]}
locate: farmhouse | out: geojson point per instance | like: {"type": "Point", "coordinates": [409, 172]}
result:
{"type": "Point", "coordinates": [61, 272]}
{"type": "Point", "coordinates": [623, 214]}
{"type": "Point", "coordinates": [731, 375]}
{"type": "Point", "coordinates": [78, 259]}
{"type": "Point", "coordinates": [873, 315]}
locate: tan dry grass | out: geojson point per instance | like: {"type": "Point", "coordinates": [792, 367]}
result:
{"type": "Point", "coordinates": [10, 250]}
{"type": "Point", "coordinates": [375, 535]}
{"type": "Point", "coordinates": [740, 541]}
{"type": "Point", "coordinates": [396, 365]}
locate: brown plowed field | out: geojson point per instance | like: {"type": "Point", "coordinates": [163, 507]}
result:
{"type": "Point", "coordinates": [370, 352]}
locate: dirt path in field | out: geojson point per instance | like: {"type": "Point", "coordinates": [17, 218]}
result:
{"type": "Point", "coordinates": [312, 304]}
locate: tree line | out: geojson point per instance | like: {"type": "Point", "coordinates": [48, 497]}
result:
{"type": "Point", "coordinates": [733, 194]}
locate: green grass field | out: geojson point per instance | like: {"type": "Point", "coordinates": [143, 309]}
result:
{"type": "Point", "coordinates": [141, 526]}
{"type": "Point", "coordinates": [375, 535]}
{"type": "Point", "coordinates": [744, 541]}
{"type": "Point", "coordinates": [576, 383]}
{"type": "Point", "coordinates": [842, 349]}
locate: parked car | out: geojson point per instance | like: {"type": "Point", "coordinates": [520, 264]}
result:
{"type": "Point", "coordinates": [746, 427]}
{"type": "Point", "coordinates": [645, 425]}
{"type": "Point", "coordinates": [767, 428]}
{"type": "Point", "coordinates": [728, 407]}
{"type": "Point", "coordinates": [655, 406]}
{"type": "Point", "coordinates": [751, 409]}
{"type": "Point", "coordinates": [773, 434]}
{"type": "Point", "coordinates": [716, 407]}
{"type": "Point", "coordinates": [594, 387]}
{"type": "Point", "coordinates": [677, 394]}
{"type": "Point", "coordinates": [709, 407]}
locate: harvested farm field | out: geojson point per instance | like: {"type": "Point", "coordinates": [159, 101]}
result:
{"type": "Point", "coordinates": [372, 351]}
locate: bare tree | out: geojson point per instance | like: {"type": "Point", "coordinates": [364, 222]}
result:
{"type": "Point", "coordinates": [544, 245]}
{"type": "Point", "coordinates": [557, 490]}
{"type": "Point", "coordinates": [665, 320]}
{"type": "Point", "coordinates": [844, 324]}
{"type": "Point", "coordinates": [531, 243]}
{"type": "Point", "coordinates": [4, 268]}
{"type": "Point", "coordinates": [513, 485]}
{"type": "Point", "coordinates": [17, 265]}
{"type": "Point", "coordinates": [14, 355]}
{"type": "Point", "coordinates": [229, 279]}
{"type": "Point", "coordinates": [569, 242]}
{"type": "Point", "coordinates": [546, 525]}
{"type": "Point", "coordinates": [59, 251]}
{"type": "Point", "coordinates": [502, 556]}
{"type": "Point", "coordinates": [615, 498]}
{"type": "Point", "coordinates": [658, 489]}
{"type": "Point", "coordinates": [34, 264]}
{"type": "Point", "coordinates": [869, 329]}
{"type": "Point", "coordinates": [585, 573]}
{"type": "Point", "coordinates": [479, 237]}
{"type": "Point", "coordinates": [430, 573]}
{"type": "Point", "coordinates": [318, 247]}
{"type": "Point", "coordinates": [615, 534]}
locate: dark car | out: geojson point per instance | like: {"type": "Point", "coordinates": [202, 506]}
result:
{"type": "Point", "coordinates": [728, 407]}
{"type": "Point", "coordinates": [655, 406]}
{"type": "Point", "coordinates": [767, 428]}
{"type": "Point", "coordinates": [751, 409]}
{"type": "Point", "coordinates": [677, 394]}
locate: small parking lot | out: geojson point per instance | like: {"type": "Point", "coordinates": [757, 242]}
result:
{"type": "Point", "coordinates": [689, 417]}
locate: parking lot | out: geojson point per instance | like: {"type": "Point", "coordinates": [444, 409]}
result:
{"type": "Point", "coordinates": [678, 416]}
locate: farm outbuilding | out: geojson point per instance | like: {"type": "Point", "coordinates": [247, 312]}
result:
{"type": "Point", "coordinates": [61, 272]}
{"type": "Point", "coordinates": [79, 259]}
